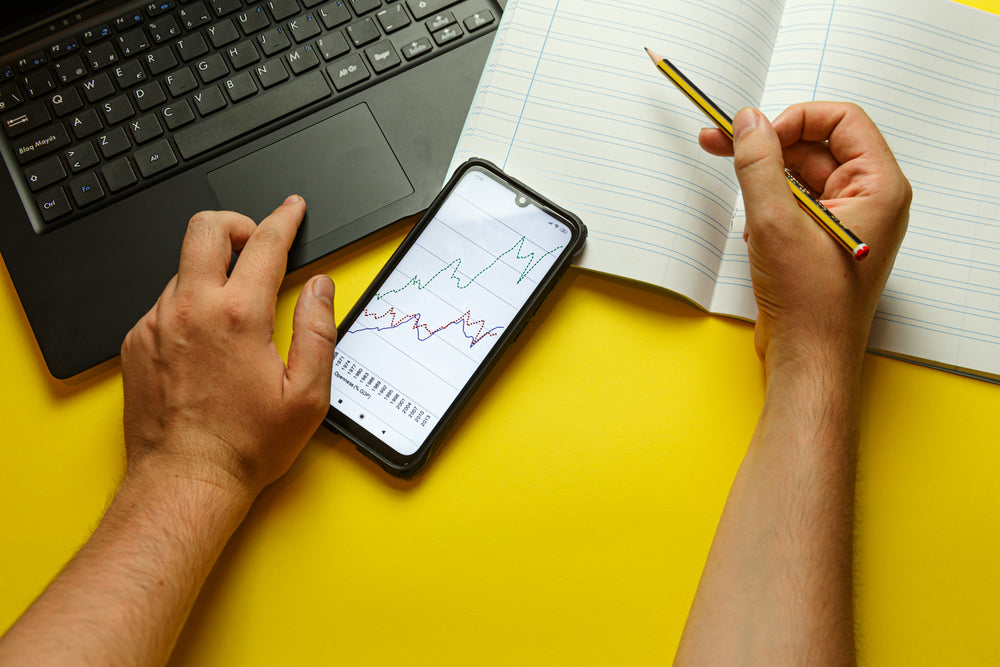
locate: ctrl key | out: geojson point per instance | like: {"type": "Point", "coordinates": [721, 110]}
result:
{"type": "Point", "coordinates": [53, 204]}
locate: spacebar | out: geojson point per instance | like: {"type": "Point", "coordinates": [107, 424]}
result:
{"type": "Point", "coordinates": [251, 114]}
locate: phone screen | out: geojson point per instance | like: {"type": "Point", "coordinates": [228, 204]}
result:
{"type": "Point", "coordinates": [425, 329]}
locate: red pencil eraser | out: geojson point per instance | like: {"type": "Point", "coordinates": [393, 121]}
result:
{"type": "Point", "coordinates": [862, 251]}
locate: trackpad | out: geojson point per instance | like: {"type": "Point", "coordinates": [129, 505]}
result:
{"type": "Point", "coordinates": [342, 166]}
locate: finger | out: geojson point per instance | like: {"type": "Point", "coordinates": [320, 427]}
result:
{"type": "Point", "coordinates": [812, 163]}
{"type": "Point", "coordinates": [846, 127]}
{"type": "Point", "coordinates": [264, 258]}
{"type": "Point", "coordinates": [310, 353]}
{"type": "Point", "coordinates": [715, 141]}
{"type": "Point", "coordinates": [208, 245]}
{"type": "Point", "coordinates": [760, 169]}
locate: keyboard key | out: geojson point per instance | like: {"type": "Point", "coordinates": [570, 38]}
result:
{"type": "Point", "coordinates": [243, 54]}
{"type": "Point", "coordinates": [302, 59]}
{"type": "Point", "coordinates": [223, 7]}
{"type": "Point", "coordinates": [100, 55]}
{"type": "Point", "coordinates": [194, 46]}
{"type": "Point", "coordinates": [363, 6]}
{"type": "Point", "coordinates": [133, 41]}
{"type": "Point", "coordinates": [98, 87]}
{"type": "Point", "coordinates": [177, 115]}
{"type": "Point", "coordinates": [53, 204]}
{"type": "Point", "coordinates": [363, 32]}
{"type": "Point", "coordinates": [117, 109]}
{"type": "Point", "coordinates": [145, 128]}
{"type": "Point", "coordinates": [113, 143]}
{"type": "Point", "coordinates": [417, 48]}
{"type": "Point", "coordinates": [282, 9]}
{"type": "Point", "coordinates": [347, 72]}
{"type": "Point", "coordinates": [40, 142]}
{"type": "Point", "coordinates": [44, 173]}
{"type": "Point", "coordinates": [194, 15]}
{"type": "Point", "coordinates": [223, 33]}
{"type": "Point", "coordinates": [394, 18]}
{"type": "Point", "coordinates": [211, 68]}
{"type": "Point", "coordinates": [303, 28]}
{"type": "Point", "coordinates": [126, 21]}
{"type": "Point", "coordinates": [333, 14]}
{"type": "Point", "coordinates": [81, 157]}
{"type": "Point", "coordinates": [149, 96]}
{"type": "Point", "coordinates": [26, 118]}
{"type": "Point", "coordinates": [333, 45]}
{"type": "Point", "coordinates": [163, 29]}
{"type": "Point", "coordinates": [10, 97]}
{"type": "Point", "coordinates": [159, 7]}
{"type": "Point", "coordinates": [70, 69]}
{"type": "Point", "coordinates": [65, 47]}
{"type": "Point", "coordinates": [66, 101]}
{"type": "Point", "coordinates": [154, 158]}
{"type": "Point", "coordinates": [86, 189]}
{"type": "Point", "coordinates": [252, 20]}
{"type": "Point", "coordinates": [86, 123]}
{"type": "Point", "coordinates": [32, 61]}
{"type": "Point", "coordinates": [271, 73]}
{"type": "Point", "coordinates": [129, 74]}
{"type": "Point", "coordinates": [240, 86]}
{"type": "Point", "coordinates": [161, 60]}
{"type": "Point", "coordinates": [423, 8]}
{"type": "Point", "coordinates": [439, 21]}
{"type": "Point", "coordinates": [273, 40]}
{"type": "Point", "coordinates": [382, 56]}
{"type": "Point", "coordinates": [445, 35]}
{"type": "Point", "coordinates": [251, 114]}
{"type": "Point", "coordinates": [180, 82]}
{"type": "Point", "coordinates": [38, 83]}
{"type": "Point", "coordinates": [208, 101]}
{"type": "Point", "coordinates": [118, 174]}
{"type": "Point", "coordinates": [480, 19]}
{"type": "Point", "coordinates": [96, 34]}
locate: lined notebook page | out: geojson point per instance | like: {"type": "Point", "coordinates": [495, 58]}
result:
{"type": "Point", "coordinates": [571, 104]}
{"type": "Point", "coordinates": [928, 73]}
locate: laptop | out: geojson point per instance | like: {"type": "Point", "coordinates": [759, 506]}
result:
{"type": "Point", "coordinates": [120, 120]}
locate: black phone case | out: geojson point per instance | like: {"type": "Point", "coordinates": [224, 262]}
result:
{"type": "Point", "coordinates": [407, 467]}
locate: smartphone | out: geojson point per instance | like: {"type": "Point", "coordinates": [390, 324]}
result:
{"type": "Point", "coordinates": [451, 299]}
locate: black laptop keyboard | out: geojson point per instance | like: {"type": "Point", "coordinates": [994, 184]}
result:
{"type": "Point", "coordinates": [125, 103]}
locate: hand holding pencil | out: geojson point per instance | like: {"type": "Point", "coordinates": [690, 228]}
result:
{"type": "Point", "coordinates": [814, 302]}
{"type": "Point", "coordinates": [816, 210]}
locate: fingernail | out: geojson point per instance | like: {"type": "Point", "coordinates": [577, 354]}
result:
{"type": "Point", "coordinates": [746, 120]}
{"type": "Point", "coordinates": [292, 199]}
{"type": "Point", "coordinates": [323, 289]}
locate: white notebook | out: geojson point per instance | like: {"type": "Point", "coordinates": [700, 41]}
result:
{"type": "Point", "coordinates": [570, 103]}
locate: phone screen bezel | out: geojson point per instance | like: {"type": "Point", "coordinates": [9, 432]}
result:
{"type": "Point", "coordinates": [386, 456]}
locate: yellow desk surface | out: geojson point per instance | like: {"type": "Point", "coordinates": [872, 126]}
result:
{"type": "Point", "coordinates": [566, 519]}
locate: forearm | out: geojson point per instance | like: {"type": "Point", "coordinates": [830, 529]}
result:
{"type": "Point", "coordinates": [125, 596]}
{"type": "Point", "coordinates": [777, 585]}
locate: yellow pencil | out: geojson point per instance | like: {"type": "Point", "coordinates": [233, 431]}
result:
{"type": "Point", "coordinates": [810, 204]}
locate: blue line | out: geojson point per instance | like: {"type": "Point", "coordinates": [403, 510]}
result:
{"type": "Point", "coordinates": [822, 53]}
{"type": "Point", "coordinates": [415, 318]}
{"type": "Point", "coordinates": [538, 62]}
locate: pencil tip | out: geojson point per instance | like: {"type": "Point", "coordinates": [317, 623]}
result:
{"type": "Point", "coordinates": [653, 56]}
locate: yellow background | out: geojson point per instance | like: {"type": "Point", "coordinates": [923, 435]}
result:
{"type": "Point", "coordinates": [564, 521]}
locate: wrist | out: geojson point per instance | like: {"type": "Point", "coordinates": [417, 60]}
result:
{"type": "Point", "coordinates": [191, 495]}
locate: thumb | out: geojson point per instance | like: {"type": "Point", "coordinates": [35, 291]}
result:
{"type": "Point", "coordinates": [760, 169]}
{"type": "Point", "coordinates": [314, 334]}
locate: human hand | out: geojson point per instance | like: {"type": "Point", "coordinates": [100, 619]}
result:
{"type": "Point", "coordinates": [813, 298]}
{"type": "Point", "coordinates": [207, 396]}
